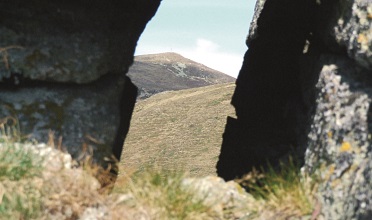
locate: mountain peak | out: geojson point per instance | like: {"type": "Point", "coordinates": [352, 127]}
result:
{"type": "Point", "coordinates": [154, 73]}
{"type": "Point", "coordinates": [165, 57]}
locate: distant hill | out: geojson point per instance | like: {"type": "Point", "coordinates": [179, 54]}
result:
{"type": "Point", "coordinates": [179, 130]}
{"type": "Point", "coordinates": [156, 73]}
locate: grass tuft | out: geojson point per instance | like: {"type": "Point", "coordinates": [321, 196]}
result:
{"type": "Point", "coordinates": [19, 166]}
{"type": "Point", "coordinates": [164, 193]}
{"type": "Point", "coordinates": [285, 191]}
{"type": "Point", "coordinates": [18, 163]}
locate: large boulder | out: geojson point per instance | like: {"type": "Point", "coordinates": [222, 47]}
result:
{"type": "Point", "coordinates": [78, 114]}
{"type": "Point", "coordinates": [339, 147]}
{"type": "Point", "coordinates": [268, 91]}
{"type": "Point", "coordinates": [305, 90]}
{"type": "Point", "coordinates": [63, 69]}
{"type": "Point", "coordinates": [70, 41]}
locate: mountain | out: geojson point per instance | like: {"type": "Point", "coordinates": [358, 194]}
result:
{"type": "Point", "coordinates": [156, 73]}
{"type": "Point", "coordinates": [179, 130]}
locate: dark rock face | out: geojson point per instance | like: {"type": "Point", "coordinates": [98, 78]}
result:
{"type": "Point", "coordinates": [64, 66]}
{"type": "Point", "coordinates": [268, 89]}
{"type": "Point", "coordinates": [305, 89]}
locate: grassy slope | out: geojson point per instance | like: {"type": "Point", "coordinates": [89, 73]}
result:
{"type": "Point", "coordinates": [179, 130]}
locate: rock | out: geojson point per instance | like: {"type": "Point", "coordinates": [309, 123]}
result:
{"type": "Point", "coordinates": [227, 199]}
{"type": "Point", "coordinates": [253, 27]}
{"type": "Point", "coordinates": [339, 148]}
{"type": "Point", "coordinates": [69, 41]}
{"type": "Point", "coordinates": [53, 159]}
{"type": "Point", "coordinates": [305, 90]}
{"type": "Point", "coordinates": [348, 27]}
{"type": "Point", "coordinates": [94, 213]}
{"type": "Point", "coordinates": [268, 92]}
{"type": "Point", "coordinates": [63, 68]}
{"type": "Point", "coordinates": [77, 113]}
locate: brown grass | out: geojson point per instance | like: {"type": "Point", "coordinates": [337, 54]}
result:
{"type": "Point", "coordinates": [179, 130]}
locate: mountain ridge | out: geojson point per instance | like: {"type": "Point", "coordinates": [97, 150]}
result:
{"type": "Point", "coordinates": [154, 73]}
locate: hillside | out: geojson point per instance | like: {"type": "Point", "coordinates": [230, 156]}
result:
{"type": "Point", "coordinates": [179, 130]}
{"type": "Point", "coordinates": [156, 73]}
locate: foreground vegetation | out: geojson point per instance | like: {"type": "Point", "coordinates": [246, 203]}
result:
{"type": "Point", "coordinates": [282, 193]}
{"type": "Point", "coordinates": [38, 182]}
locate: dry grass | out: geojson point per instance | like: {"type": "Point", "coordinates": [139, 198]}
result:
{"type": "Point", "coordinates": [163, 195]}
{"type": "Point", "coordinates": [179, 130]}
{"type": "Point", "coordinates": [284, 193]}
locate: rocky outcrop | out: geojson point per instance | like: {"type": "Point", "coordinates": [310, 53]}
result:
{"type": "Point", "coordinates": [305, 89]}
{"type": "Point", "coordinates": [63, 68]}
{"type": "Point", "coordinates": [77, 113]}
{"type": "Point", "coordinates": [70, 41]}
{"type": "Point", "coordinates": [339, 144]}
{"type": "Point", "coordinates": [268, 91]}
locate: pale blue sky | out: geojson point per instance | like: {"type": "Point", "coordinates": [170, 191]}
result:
{"type": "Point", "coordinates": [211, 32]}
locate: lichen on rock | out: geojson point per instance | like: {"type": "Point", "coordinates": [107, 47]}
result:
{"type": "Point", "coordinates": [339, 147]}
{"type": "Point", "coordinates": [347, 25]}
{"type": "Point", "coordinates": [313, 58]}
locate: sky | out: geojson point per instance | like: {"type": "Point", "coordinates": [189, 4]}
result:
{"type": "Point", "coordinates": [211, 32]}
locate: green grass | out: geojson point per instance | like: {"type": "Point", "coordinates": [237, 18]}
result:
{"type": "Point", "coordinates": [19, 201]}
{"type": "Point", "coordinates": [164, 193]}
{"type": "Point", "coordinates": [286, 190]}
{"type": "Point", "coordinates": [17, 163]}
{"type": "Point", "coordinates": [19, 198]}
